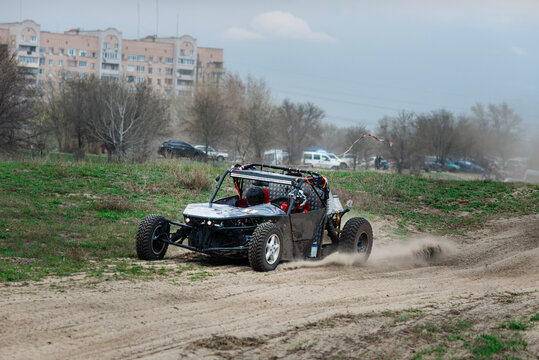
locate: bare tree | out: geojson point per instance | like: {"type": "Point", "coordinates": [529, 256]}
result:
{"type": "Point", "coordinates": [504, 125]}
{"type": "Point", "coordinates": [17, 96]}
{"type": "Point", "coordinates": [207, 120]}
{"type": "Point", "coordinates": [298, 126]}
{"type": "Point", "coordinates": [437, 132]}
{"type": "Point", "coordinates": [125, 119]}
{"type": "Point", "coordinates": [401, 131]}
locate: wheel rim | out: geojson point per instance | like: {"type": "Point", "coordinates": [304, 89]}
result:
{"type": "Point", "coordinates": [273, 248]}
{"type": "Point", "coordinates": [157, 244]}
{"type": "Point", "coordinates": [362, 243]}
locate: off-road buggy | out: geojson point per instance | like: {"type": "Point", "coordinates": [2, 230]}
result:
{"type": "Point", "coordinates": [263, 233]}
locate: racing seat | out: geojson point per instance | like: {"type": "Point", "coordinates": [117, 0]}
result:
{"type": "Point", "coordinates": [254, 197]}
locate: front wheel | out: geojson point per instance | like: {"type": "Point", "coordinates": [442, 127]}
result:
{"type": "Point", "coordinates": [356, 237]}
{"type": "Point", "coordinates": [152, 230]}
{"type": "Point", "coordinates": [220, 159]}
{"type": "Point", "coordinates": [265, 247]}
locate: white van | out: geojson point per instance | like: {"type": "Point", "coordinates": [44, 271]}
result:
{"type": "Point", "coordinates": [323, 160]}
{"type": "Point", "coordinates": [275, 157]}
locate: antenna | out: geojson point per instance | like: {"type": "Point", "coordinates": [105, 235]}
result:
{"type": "Point", "coordinates": [177, 23]}
{"type": "Point", "coordinates": [156, 17]}
{"type": "Point", "coordinates": [138, 19]}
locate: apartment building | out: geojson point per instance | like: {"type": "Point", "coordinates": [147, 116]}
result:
{"type": "Point", "coordinates": [170, 64]}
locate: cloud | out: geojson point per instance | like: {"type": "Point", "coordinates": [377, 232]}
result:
{"type": "Point", "coordinates": [277, 24]}
{"type": "Point", "coordinates": [285, 25]}
{"type": "Point", "coordinates": [518, 50]}
{"type": "Point", "coordinates": [236, 33]}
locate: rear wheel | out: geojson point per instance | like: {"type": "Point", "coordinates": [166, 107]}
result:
{"type": "Point", "coordinates": [356, 237]}
{"type": "Point", "coordinates": [152, 230]}
{"type": "Point", "coordinates": [220, 158]}
{"type": "Point", "coordinates": [265, 247]}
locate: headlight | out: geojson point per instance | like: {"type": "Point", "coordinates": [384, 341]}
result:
{"type": "Point", "coordinates": [208, 222]}
{"type": "Point", "coordinates": [187, 220]}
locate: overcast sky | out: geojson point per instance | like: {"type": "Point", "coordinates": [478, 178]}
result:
{"type": "Point", "coordinates": [358, 60]}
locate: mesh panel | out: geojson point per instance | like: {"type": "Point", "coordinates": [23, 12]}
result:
{"type": "Point", "coordinates": [281, 190]}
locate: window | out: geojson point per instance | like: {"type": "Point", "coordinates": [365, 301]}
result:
{"type": "Point", "coordinates": [50, 62]}
{"type": "Point", "coordinates": [69, 74]}
{"type": "Point", "coordinates": [83, 64]}
{"type": "Point", "coordinates": [28, 60]}
{"type": "Point", "coordinates": [42, 49]}
{"type": "Point", "coordinates": [40, 71]}
{"type": "Point", "coordinates": [182, 52]}
{"type": "Point", "coordinates": [325, 158]}
{"type": "Point", "coordinates": [130, 67]}
{"type": "Point", "coordinates": [307, 156]}
{"type": "Point", "coordinates": [168, 81]}
{"type": "Point", "coordinates": [130, 79]}
{"type": "Point", "coordinates": [41, 61]}
{"type": "Point", "coordinates": [83, 53]}
{"type": "Point", "coordinates": [49, 73]}
{"type": "Point", "coordinates": [159, 71]}
{"type": "Point", "coordinates": [158, 81]}
{"type": "Point", "coordinates": [149, 80]}
{"type": "Point", "coordinates": [186, 61]}
{"type": "Point", "coordinates": [82, 74]}
{"type": "Point", "coordinates": [185, 72]}
{"type": "Point", "coordinates": [150, 70]}
{"type": "Point", "coordinates": [168, 71]}
{"type": "Point", "coordinates": [140, 68]}
{"type": "Point", "coordinates": [22, 37]}
{"type": "Point", "coordinates": [59, 73]}
{"type": "Point", "coordinates": [150, 60]}
{"type": "Point", "coordinates": [141, 58]}
{"type": "Point", "coordinates": [170, 60]}
{"type": "Point", "coordinates": [316, 156]}
{"type": "Point", "coordinates": [33, 38]}
{"type": "Point", "coordinates": [140, 79]}
{"type": "Point", "coordinates": [61, 52]}
{"type": "Point", "coordinates": [106, 45]}
{"type": "Point", "coordinates": [116, 46]}
{"type": "Point", "coordinates": [93, 55]}
{"type": "Point", "coordinates": [192, 52]}
{"type": "Point", "coordinates": [51, 51]}
{"type": "Point", "coordinates": [132, 57]}
{"type": "Point", "coordinates": [160, 60]}
{"type": "Point", "coordinates": [71, 52]}
{"type": "Point", "coordinates": [60, 62]}
{"type": "Point", "coordinates": [92, 66]}
{"type": "Point", "coordinates": [72, 63]}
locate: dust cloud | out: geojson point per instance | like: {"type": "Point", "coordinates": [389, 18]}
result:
{"type": "Point", "coordinates": [392, 256]}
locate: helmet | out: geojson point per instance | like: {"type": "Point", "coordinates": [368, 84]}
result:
{"type": "Point", "coordinates": [299, 197]}
{"type": "Point", "coordinates": [255, 196]}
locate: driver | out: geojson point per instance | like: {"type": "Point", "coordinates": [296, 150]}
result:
{"type": "Point", "coordinates": [300, 205]}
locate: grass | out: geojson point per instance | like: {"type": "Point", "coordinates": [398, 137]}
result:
{"type": "Point", "coordinates": [59, 217]}
{"type": "Point", "coordinates": [452, 206]}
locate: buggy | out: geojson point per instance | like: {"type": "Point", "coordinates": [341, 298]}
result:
{"type": "Point", "coordinates": [266, 233]}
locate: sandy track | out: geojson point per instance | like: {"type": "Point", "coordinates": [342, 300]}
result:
{"type": "Point", "coordinates": [342, 305]}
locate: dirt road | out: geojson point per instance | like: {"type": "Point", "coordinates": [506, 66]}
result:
{"type": "Point", "coordinates": [336, 308]}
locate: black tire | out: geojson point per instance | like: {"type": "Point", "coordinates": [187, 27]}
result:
{"type": "Point", "coordinates": [265, 247]}
{"type": "Point", "coordinates": [152, 228]}
{"type": "Point", "coordinates": [220, 159]}
{"type": "Point", "coordinates": [343, 166]}
{"type": "Point", "coordinates": [356, 237]}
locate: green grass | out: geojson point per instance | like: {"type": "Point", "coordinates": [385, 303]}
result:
{"type": "Point", "coordinates": [451, 206]}
{"type": "Point", "coordinates": [59, 217]}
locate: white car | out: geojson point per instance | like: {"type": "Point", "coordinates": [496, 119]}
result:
{"type": "Point", "coordinates": [323, 160]}
{"type": "Point", "coordinates": [212, 153]}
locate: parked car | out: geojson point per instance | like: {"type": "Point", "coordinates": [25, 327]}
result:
{"type": "Point", "coordinates": [212, 153]}
{"type": "Point", "coordinates": [259, 228]}
{"type": "Point", "coordinates": [172, 148]}
{"type": "Point", "coordinates": [466, 165]}
{"type": "Point", "coordinates": [323, 160]}
{"type": "Point", "coordinates": [350, 159]}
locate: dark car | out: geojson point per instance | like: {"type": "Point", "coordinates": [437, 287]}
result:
{"type": "Point", "coordinates": [468, 166]}
{"type": "Point", "coordinates": [265, 231]}
{"type": "Point", "coordinates": [172, 148]}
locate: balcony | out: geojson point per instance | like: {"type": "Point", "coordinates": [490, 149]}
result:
{"type": "Point", "coordinates": [111, 56]}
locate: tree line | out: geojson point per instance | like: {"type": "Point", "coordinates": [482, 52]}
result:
{"type": "Point", "coordinates": [127, 121]}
